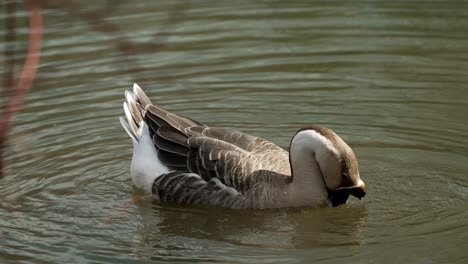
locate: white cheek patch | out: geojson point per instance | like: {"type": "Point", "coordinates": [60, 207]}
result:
{"type": "Point", "coordinates": [145, 167]}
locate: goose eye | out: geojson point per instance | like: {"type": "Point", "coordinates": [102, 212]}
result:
{"type": "Point", "coordinates": [346, 177]}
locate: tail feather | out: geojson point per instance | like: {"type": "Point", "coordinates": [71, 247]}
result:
{"type": "Point", "coordinates": [134, 105]}
{"type": "Point", "coordinates": [136, 112]}
{"type": "Point", "coordinates": [141, 96]}
{"type": "Point", "coordinates": [146, 166]}
{"type": "Point", "coordinates": [132, 124]}
{"type": "Point", "coordinates": [129, 130]}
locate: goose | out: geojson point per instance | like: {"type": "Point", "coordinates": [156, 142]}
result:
{"type": "Point", "coordinates": [182, 161]}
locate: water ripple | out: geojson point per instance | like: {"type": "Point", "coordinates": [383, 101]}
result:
{"type": "Point", "coordinates": [389, 77]}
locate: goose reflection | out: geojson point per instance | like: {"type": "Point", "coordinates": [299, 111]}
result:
{"type": "Point", "coordinates": [172, 232]}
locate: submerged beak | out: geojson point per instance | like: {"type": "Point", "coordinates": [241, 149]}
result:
{"type": "Point", "coordinates": [359, 190]}
{"type": "Point", "coordinates": [340, 195]}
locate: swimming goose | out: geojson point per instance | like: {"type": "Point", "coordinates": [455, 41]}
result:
{"type": "Point", "coordinates": [180, 160]}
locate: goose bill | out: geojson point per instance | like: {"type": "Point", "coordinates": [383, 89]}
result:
{"type": "Point", "coordinates": [340, 196]}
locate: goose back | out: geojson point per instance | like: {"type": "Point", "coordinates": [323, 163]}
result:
{"type": "Point", "coordinates": [230, 156]}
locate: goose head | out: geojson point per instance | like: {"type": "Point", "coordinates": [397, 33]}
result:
{"type": "Point", "coordinates": [334, 160]}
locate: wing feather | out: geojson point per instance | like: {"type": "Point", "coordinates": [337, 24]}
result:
{"type": "Point", "coordinates": [209, 166]}
{"type": "Point", "coordinates": [191, 189]}
{"type": "Point", "coordinates": [229, 156]}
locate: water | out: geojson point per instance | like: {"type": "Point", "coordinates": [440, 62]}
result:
{"type": "Point", "coordinates": [390, 78]}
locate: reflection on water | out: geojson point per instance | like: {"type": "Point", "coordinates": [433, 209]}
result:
{"type": "Point", "coordinates": [390, 78]}
{"type": "Point", "coordinates": [278, 230]}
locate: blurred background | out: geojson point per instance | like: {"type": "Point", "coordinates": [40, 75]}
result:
{"type": "Point", "coordinates": [389, 77]}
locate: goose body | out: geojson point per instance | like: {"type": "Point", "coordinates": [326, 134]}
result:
{"type": "Point", "coordinates": [183, 161]}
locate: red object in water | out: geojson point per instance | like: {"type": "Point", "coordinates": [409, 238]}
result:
{"type": "Point", "coordinates": [16, 100]}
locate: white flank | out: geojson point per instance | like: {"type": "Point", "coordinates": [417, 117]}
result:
{"type": "Point", "coordinates": [146, 166]}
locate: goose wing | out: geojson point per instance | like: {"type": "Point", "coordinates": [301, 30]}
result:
{"type": "Point", "coordinates": [230, 156]}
